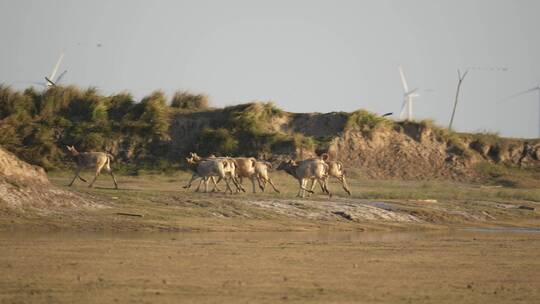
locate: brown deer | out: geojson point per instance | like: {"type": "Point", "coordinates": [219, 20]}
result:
{"type": "Point", "coordinates": [335, 169]}
{"type": "Point", "coordinates": [309, 169]}
{"type": "Point", "coordinates": [97, 160]}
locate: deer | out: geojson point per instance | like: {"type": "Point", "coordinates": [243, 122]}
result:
{"type": "Point", "coordinates": [193, 163]}
{"type": "Point", "coordinates": [246, 167]}
{"type": "Point", "coordinates": [261, 171]}
{"type": "Point", "coordinates": [335, 169]}
{"type": "Point", "coordinates": [208, 168]}
{"type": "Point", "coordinates": [97, 160]}
{"type": "Point", "coordinates": [309, 169]}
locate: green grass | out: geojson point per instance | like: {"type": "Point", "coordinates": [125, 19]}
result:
{"type": "Point", "coordinates": [509, 176]}
{"type": "Point", "coordinates": [366, 122]}
{"type": "Point", "coordinates": [362, 187]}
{"type": "Point", "coordinates": [440, 190]}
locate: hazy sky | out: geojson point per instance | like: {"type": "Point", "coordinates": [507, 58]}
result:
{"type": "Point", "coordinates": [304, 55]}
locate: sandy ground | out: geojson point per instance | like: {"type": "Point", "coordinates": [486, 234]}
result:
{"type": "Point", "coordinates": [391, 242]}
{"type": "Point", "coordinates": [332, 267]}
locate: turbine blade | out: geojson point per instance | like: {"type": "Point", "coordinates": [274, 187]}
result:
{"type": "Point", "coordinates": [30, 82]}
{"type": "Point", "coordinates": [49, 82]}
{"type": "Point", "coordinates": [519, 94]}
{"type": "Point", "coordinates": [403, 108]}
{"type": "Point", "coordinates": [56, 66]}
{"type": "Point", "coordinates": [411, 92]}
{"type": "Point", "coordinates": [403, 81]}
{"type": "Point", "coordinates": [61, 76]}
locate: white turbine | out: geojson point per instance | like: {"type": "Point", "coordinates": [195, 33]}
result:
{"type": "Point", "coordinates": [408, 96]}
{"type": "Point", "coordinates": [536, 88]}
{"type": "Point", "coordinates": [50, 80]}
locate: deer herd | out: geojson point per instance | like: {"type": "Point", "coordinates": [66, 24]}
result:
{"type": "Point", "coordinates": [232, 170]}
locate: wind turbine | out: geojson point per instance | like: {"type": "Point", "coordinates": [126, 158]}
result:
{"type": "Point", "coordinates": [408, 95]}
{"type": "Point", "coordinates": [50, 80]}
{"type": "Point", "coordinates": [536, 88]}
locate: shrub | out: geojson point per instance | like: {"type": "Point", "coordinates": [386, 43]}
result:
{"type": "Point", "coordinates": [217, 141]}
{"type": "Point", "coordinates": [119, 106]}
{"type": "Point", "coordinates": [156, 115]}
{"type": "Point", "coordinates": [366, 122]}
{"type": "Point", "coordinates": [188, 101]}
{"type": "Point", "coordinates": [13, 103]}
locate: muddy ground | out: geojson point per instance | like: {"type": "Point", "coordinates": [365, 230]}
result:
{"type": "Point", "coordinates": [275, 267]}
{"type": "Point", "coordinates": [391, 242]}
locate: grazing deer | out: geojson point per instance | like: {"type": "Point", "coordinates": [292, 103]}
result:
{"type": "Point", "coordinates": [97, 160]}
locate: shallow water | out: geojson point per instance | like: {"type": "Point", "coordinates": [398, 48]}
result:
{"type": "Point", "coordinates": [503, 229]}
{"type": "Point", "coordinates": [330, 237]}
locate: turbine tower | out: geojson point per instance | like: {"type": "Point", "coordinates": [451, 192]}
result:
{"type": "Point", "coordinates": [536, 88]}
{"type": "Point", "coordinates": [408, 96]}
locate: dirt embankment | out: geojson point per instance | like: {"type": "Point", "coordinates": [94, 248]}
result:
{"type": "Point", "coordinates": [24, 187]}
{"type": "Point", "coordinates": [380, 149]}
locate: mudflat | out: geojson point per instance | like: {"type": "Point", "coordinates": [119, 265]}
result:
{"type": "Point", "coordinates": [390, 242]}
{"type": "Point", "coordinates": [268, 267]}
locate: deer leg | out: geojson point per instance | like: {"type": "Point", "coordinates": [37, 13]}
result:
{"type": "Point", "coordinates": [205, 185]}
{"type": "Point", "coordinates": [304, 187]}
{"type": "Point", "coordinates": [253, 183]}
{"type": "Point", "coordinates": [313, 183]}
{"type": "Point", "coordinates": [323, 188]}
{"type": "Point", "coordinates": [324, 185]}
{"type": "Point", "coordinates": [216, 182]}
{"type": "Point", "coordinates": [200, 183]}
{"type": "Point", "coordinates": [77, 171]}
{"type": "Point", "coordinates": [239, 187]}
{"type": "Point", "coordinates": [95, 178]}
{"type": "Point", "coordinates": [99, 167]}
{"type": "Point", "coordinates": [262, 182]}
{"type": "Point", "coordinates": [215, 186]}
{"type": "Point", "coordinates": [80, 177]}
{"type": "Point", "coordinates": [300, 181]}
{"type": "Point", "coordinates": [344, 184]}
{"type": "Point", "coordinates": [193, 178]}
{"type": "Point", "coordinates": [228, 184]}
{"type": "Point", "coordinates": [114, 179]}
{"type": "Point", "coordinates": [272, 184]}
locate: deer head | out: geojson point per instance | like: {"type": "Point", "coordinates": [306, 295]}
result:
{"type": "Point", "coordinates": [72, 150]}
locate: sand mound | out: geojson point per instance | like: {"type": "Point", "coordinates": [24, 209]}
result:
{"type": "Point", "coordinates": [23, 186]}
